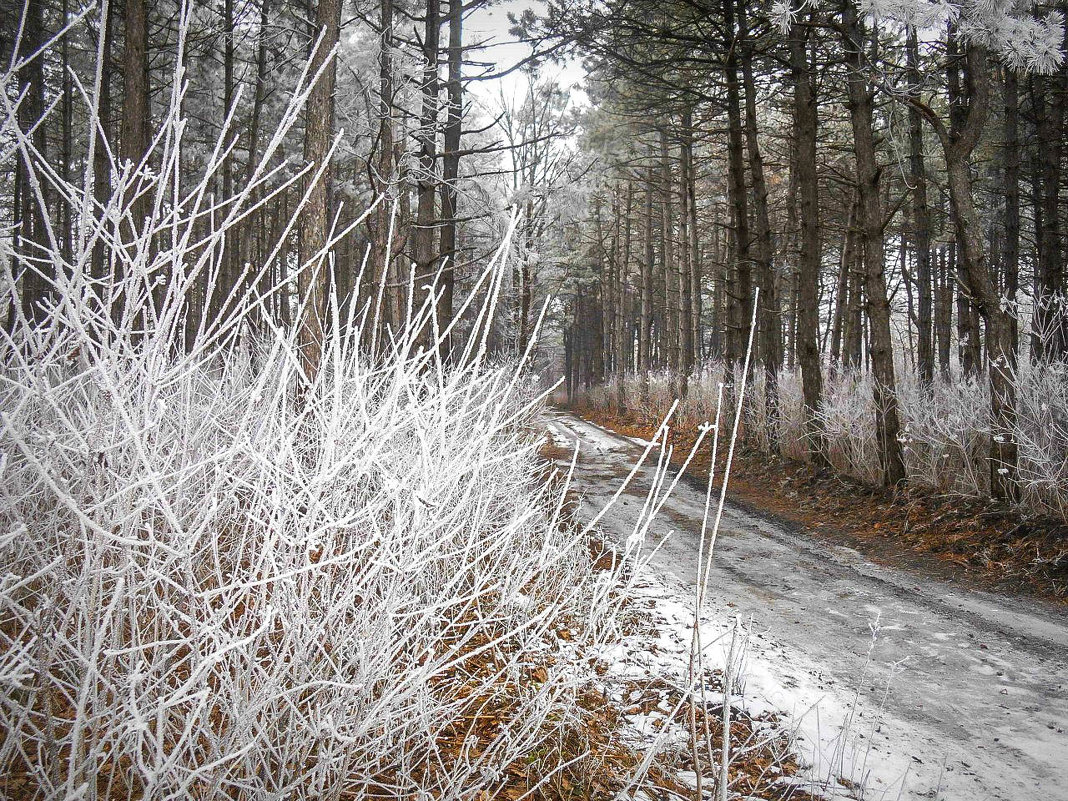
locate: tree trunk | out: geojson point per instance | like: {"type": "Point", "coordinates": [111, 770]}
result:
{"type": "Point", "coordinates": [383, 181]}
{"type": "Point", "coordinates": [67, 221]}
{"type": "Point", "coordinates": [871, 219]}
{"type": "Point", "coordinates": [695, 242]}
{"type": "Point", "coordinates": [1011, 190]}
{"type": "Point", "coordinates": [228, 280]}
{"type": "Point", "coordinates": [450, 169]}
{"type": "Point", "coordinates": [944, 312]}
{"type": "Point", "coordinates": [687, 235]}
{"type": "Point", "coordinates": [426, 185]}
{"type": "Point", "coordinates": [667, 260]}
{"type": "Point", "coordinates": [1049, 321]}
{"type": "Point", "coordinates": [770, 323]}
{"type": "Point", "coordinates": [623, 316]}
{"type": "Point", "coordinates": [975, 272]}
{"type": "Point", "coordinates": [921, 219]}
{"type": "Point", "coordinates": [741, 299]}
{"type": "Point", "coordinates": [101, 162]}
{"type": "Point", "coordinates": [33, 234]}
{"type": "Point", "coordinates": [645, 334]}
{"type": "Point", "coordinates": [841, 295]}
{"type": "Point", "coordinates": [249, 228]}
{"type": "Point", "coordinates": [315, 219]}
{"type": "Point", "coordinates": [133, 139]}
{"type": "Point", "coordinates": [804, 162]}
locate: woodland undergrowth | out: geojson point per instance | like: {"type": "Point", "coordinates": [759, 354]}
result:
{"type": "Point", "coordinates": [227, 577]}
{"type": "Point", "coordinates": [945, 432]}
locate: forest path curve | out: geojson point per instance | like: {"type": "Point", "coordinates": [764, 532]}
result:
{"type": "Point", "coordinates": [962, 695]}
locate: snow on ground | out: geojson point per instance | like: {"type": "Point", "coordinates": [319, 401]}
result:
{"type": "Point", "coordinates": [896, 686]}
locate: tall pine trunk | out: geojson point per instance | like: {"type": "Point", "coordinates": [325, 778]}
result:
{"type": "Point", "coordinates": [871, 219]}
{"type": "Point", "coordinates": [740, 301]}
{"type": "Point", "coordinates": [31, 206]}
{"type": "Point", "coordinates": [426, 184]}
{"type": "Point", "coordinates": [921, 218]}
{"type": "Point", "coordinates": [977, 276]}
{"type": "Point", "coordinates": [315, 219]}
{"type": "Point", "coordinates": [450, 172]}
{"type": "Point", "coordinates": [804, 163]}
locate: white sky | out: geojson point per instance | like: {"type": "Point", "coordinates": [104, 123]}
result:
{"type": "Point", "coordinates": [490, 22]}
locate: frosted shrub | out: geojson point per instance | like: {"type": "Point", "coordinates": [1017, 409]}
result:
{"type": "Point", "coordinates": [945, 433]}
{"type": "Point", "coordinates": [699, 405]}
{"type": "Point", "coordinates": [792, 432]}
{"type": "Point", "coordinates": [604, 396]}
{"type": "Point", "coordinates": [659, 396]}
{"type": "Point", "coordinates": [1043, 437]}
{"type": "Point", "coordinates": [847, 413]}
{"type": "Point", "coordinates": [223, 581]}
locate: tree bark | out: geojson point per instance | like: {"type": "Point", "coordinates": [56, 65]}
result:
{"type": "Point", "coordinates": [450, 170]}
{"type": "Point", "coordinates": [769, 319]}
{"type": "Point", "coordinates": [1011, 190]}
{"type": "Point", "coordinates": [1049, 321]}
{"type": "Point", "coordinates": [382, 181]}
{"type": "Point", "coordinates": [315, 219]}
{"type": "Point", "coordinates": [101, 162]}
{"type": "Point", "coordinates": [871, 218]}
{"type": "Point", "coordinates": [426, 184]}
{"type": "Point", "coordinates": [33, 234]}
{"type": "Point", "coordinates": [921, 219]}
{"type": "Point", "coordinates": [977, 276]}
{"type": "Point", "coordinates": [667, 261]}
{"type": "Point", "coordinates": [645, 334]}
{"type": "Point", "coordinates": [687, 251]}
{"type": "Point", "coordinates": [804, 162]}
{"type": "Point", "coordinates": [133, 138]}
{"type": "Point", "coordinates": [841, 299]}
{"type": "Point", "coordinates": [741, 300]}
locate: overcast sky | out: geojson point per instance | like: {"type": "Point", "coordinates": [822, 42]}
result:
{"type": "Point", "coordinates": [491, 23]}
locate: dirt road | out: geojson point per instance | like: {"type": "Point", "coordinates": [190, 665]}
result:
{"type": "Point", "coordinates": [901, 686]}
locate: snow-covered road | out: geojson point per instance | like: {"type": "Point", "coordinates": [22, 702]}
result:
{"type": "Point", "coordinates": [959, 695]}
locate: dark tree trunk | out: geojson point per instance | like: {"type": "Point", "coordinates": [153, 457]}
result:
{"type": "Point", "coordinates": [977, 276]}
{"type": "Point", "coordinates": [426, 185]}
{"type": "Point", "coordinates": [133, 139]}
{"type": "Point", "coordinates": [841, 295]}
{"type": "Point", "coordinates": [944, 312]}
{"type": "Point", "coordinates": [921, 219]}
{"type": "Point", "coordinates": [804, 162]}
{"type": "Point", "coordinates": [1049, 320]}
{"type": "Point", "coordinates": [101, 162]}
{"type": "Point", "coordinates": [450, 169]}
{"type": "Point", "coordinates": [645, 334]}
{"type": "Point", "coordinates": [668, 264]}
{"type": "Point", "coordinates": [870, 215]}
{"type": "Point", "coordinates": [66, 218]}
{"type": "Point", "coordinates": [695, 242]}
{"type": "Point", "coordinates": [1011, 160]}
{"type": "Point", "coordinates": [741, 299]}
{"type": "Point", "coordinates": [32, 208]}
{"type": "Point", "coordinates": [382, 181]}
{"type": "Point", "coordinates": [686, 358]}
{"type": "Point", "coordinates": [229, 278]}
{"type": "Point", "coordinates": [770, 323]}
{"type": "Point", "coordinates": [316, 217]}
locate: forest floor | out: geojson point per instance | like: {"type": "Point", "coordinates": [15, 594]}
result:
{"type": "Point", "coordinates": [900, 683]}
{"type": "Point", "coordinates": [976, 544]}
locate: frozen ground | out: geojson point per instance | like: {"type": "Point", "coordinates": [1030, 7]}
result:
{"type": "Point", "coordinates": [899, 687]}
